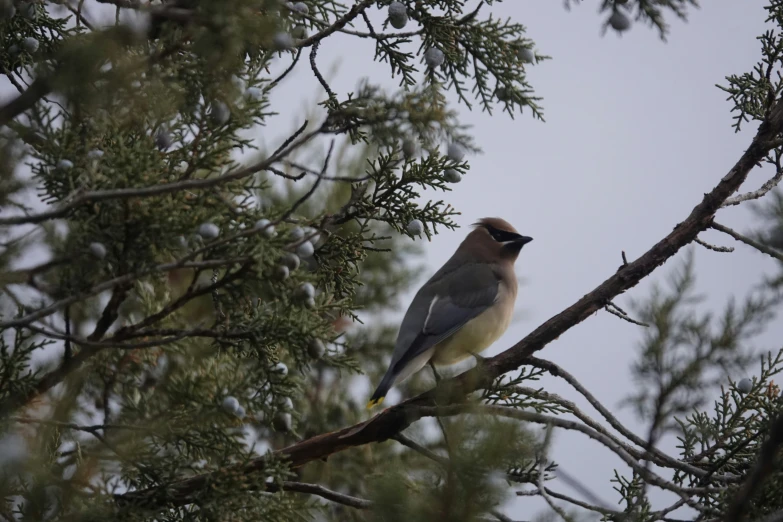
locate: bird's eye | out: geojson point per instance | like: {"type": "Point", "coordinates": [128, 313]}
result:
{"type": "Point", "coordinates": [496, 235]}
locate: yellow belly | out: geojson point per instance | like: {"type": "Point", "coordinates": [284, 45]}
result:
{"type": "Point", "coordinates": [473, 338]}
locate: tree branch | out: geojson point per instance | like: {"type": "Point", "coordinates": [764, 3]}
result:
{"type": "Point", "coordinates": [657, 456]}
{"type": "Point", "coordinates": [92, 344]}
{"type": "Point", "coordinates": [393, 420]}
{"type": "Point", "coordinates": [538, 418]}
{"type": "Point", "coordinates": [37, 90]}
{"type": "Point", "coordinates": [115, 282]}
{"type": "Point", "coordinates": [162, 188]}
{"type": "Point", "coordinates": [328, 494]}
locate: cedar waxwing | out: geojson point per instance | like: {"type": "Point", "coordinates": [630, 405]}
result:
{"type": "Point", "coordinates": [464, 308]}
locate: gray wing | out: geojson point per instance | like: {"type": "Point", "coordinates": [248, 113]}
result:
{"type": "Point", "coordinates": [443, 306]}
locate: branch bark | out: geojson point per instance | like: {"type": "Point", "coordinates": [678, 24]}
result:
{"type": "Point", "coordinates": [393, 420]}
{"type": "Point", "coordinates": [37, 90]}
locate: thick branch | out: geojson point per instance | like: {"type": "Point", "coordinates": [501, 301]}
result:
{"type": "Point", "coordinates": [396, 418]}
{"type": "Point", "coordinates": [37, 90]}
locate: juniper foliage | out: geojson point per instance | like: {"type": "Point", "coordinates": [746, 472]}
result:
{"type": "Point", "coordinates": [179, 300]}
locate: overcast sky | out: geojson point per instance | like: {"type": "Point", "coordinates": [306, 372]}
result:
{"type": "Point", "coordinates": [636, 133]}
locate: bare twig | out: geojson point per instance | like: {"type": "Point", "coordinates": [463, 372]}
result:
{"type": "Point", "coordinates": [756, 194]}
{"type": "Point", "coordinates": [328, 494]}
{"type": "Point", "coordinates": [543, 461]}
{"type": "Point", "coordinates": [415, 446]}
{"type": "Point", "coordinates": [538, 418]}
{"type": "Point", "coordinates": [287, 71]}
{"type": "Point", "coordinates": [748, 241]}
{"type": "Point", "coordinates": [570, 500]}
{"type": "Point", "coordinates": [306, 170]}
{"type": "Point", "coordinates": [317, 73]}
{"type": "Point", "coordinates": [579, 486]}
{"type": "Point", "coordinates": [712, 247]}
{"type": "Point", "coordinates": [657, 456]}
{"type": "Point", "coordinates": [654, 515]}
{"type": "Point", "coordinates": [619, 312]}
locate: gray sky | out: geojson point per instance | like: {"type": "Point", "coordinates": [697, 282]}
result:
{"type": "Point", "coordinates": [636, 132]}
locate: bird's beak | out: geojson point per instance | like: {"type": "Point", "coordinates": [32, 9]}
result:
{"type": "Point", "coordinates": [522, 240]}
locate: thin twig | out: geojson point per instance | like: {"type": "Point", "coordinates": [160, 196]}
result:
{"type": "Point", "coordinates": [577, 485]}
{"type": "Point", "coordinates": [657, 456]}
{"type": "Point", "coordinates": [619, 312]}
{"type": "Point", "coordinates": [538, 418]}
{"type": "Point", "coordinates": [712, 247]}
{"type": "Point", "coordinates": [756, 194]}
{"type": "Point", "coordinates": [287, 71]}
{"type": "Point", "coordinates": [415, 446]}
{"type": "Point", "coordinates": [317, 73]}
{"type": "Point", "coordinates": [748, 241]}
{"type": "Point", "coordinates": [543, 461]}
{"type": "Point", "coordinates": [299, 202]}
{"type": "Point", "coordinates": [328, 494]}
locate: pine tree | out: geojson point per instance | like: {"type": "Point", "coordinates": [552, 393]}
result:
{"type": "Point", "coordinates": [187, 314]}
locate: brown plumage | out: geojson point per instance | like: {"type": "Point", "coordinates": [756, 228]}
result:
{"type": "Point", "coordinates": [464, 308]}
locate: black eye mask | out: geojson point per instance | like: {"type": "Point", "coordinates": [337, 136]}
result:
{"type": "Point", "coordinates": [501, 236]}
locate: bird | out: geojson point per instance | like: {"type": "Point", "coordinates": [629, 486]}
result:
{"type": "Point", "coordinates": [462, 309]}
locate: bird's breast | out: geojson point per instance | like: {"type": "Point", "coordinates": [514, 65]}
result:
{"type": "Point", "coordinates": [479, 333]}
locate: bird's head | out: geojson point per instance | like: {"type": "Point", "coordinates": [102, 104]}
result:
{"type": "Point", "coordinates": [495, 238]}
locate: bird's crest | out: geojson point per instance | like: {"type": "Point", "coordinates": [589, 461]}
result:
{"type": "Point", "coordinates": [496, 223]}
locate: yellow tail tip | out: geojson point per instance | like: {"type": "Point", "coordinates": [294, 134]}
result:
{"type": "Point", "coordinates": [375, 402]}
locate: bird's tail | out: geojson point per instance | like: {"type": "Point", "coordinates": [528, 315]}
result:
{"type": "Point", "coordinates": [381, 390]}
